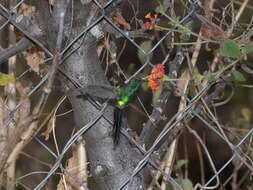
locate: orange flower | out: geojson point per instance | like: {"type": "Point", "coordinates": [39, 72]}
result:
{"type": "Point", "coordinates": [148, 15]}
{"type": "Point", "coordinates": [153, 84]}
{"type": "Point", "coordinates": [155, 77]}
{"type": "Point", "coordinates": [149, 25]}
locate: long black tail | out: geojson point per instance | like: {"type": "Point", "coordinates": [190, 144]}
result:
{"type": "Point", "coordinates": [117, 124]}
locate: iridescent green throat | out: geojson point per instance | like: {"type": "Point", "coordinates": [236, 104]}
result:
{"type": "Point", "coordinates": [127, 92]}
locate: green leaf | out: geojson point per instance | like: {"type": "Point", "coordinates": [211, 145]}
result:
{"type": "Point", "coordinates": [169, 186]}
{"type": "Point", "coordinates": [159, 9]}
{"type": "Point", "coordinates": [184, 36]}
{"type": "Point", "coordinates": [231, 137]}
{"type": "Point", "coordinates": [196, 77]}
{"type": "Point", "coordinates": [175, 22]}
{"type": "Point", "coordinates": [248, 49]}
{"type": "Point", "coordinates": [146, 46]}
{"type": "Point", "coordinates": [238, 76]}
{"type": "Point", "coordinates": [230, 49]}
{"type": "Point", "coordinates": [187, 184]}
{"type": "Point", "coordinates": [211, 77]}
{"type": "Point", "coordinates": [180, 163]}
{"type": "Point", "coordinates": [5, 78]}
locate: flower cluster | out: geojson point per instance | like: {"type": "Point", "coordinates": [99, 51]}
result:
{"type": "Point", "coordinates": [149, 25]}
{"type": "Point", "coordinates": [155, 77]}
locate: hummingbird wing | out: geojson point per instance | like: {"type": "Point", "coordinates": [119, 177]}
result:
{"type": "Point", "coordinates": [100, 92]}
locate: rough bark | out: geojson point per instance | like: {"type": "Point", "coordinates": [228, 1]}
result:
{"type": "Point", "coordinates": [109, 166]}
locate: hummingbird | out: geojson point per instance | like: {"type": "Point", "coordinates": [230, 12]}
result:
{"type": "Point", "coordinates": [117, 97]}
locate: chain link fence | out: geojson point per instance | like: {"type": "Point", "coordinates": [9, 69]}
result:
{"type": "Point", "coordinates": [197, 108]}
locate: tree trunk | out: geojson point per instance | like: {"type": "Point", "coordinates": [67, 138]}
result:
{"type": "Point", "coordinates": [110, 166]}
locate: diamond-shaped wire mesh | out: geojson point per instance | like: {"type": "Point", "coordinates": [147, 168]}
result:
{"type": "Point", "coordinates": [195, 108]}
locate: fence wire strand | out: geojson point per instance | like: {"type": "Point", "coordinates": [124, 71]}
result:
{"type": "Point", "coordinates": [190, 112]}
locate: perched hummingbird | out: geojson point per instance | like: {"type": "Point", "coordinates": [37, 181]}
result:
{"type": "Point", "coordinates": [117, 97]}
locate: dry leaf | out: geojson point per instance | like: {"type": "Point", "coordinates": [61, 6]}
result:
{"type": "Point", "coordinates": [246, 113]}
{"type": "Point", "coordinates": [118, 19]}
{"type": "Point", "coordinates": [24, 110]}
{"type": "Point", "coordinates": [100, 46]}
{"type": "Point", "coordinates": [34, 57]}
{"type": "Point", "coordinates": [26, 10]}
{"type": "Point", "coordinates": [77, 166]}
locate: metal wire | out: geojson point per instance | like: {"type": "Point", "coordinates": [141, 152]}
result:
{"type": "Point", "coordinates": [147, 154]}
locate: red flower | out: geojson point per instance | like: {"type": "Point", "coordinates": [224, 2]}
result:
{"type": "Point", "coordinates": [149, 25]}
{"type": "Point", "coordinates": [155, 77]}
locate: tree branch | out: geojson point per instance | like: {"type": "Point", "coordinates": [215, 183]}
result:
{"type": "Point", "coordinates": [19, 47]}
